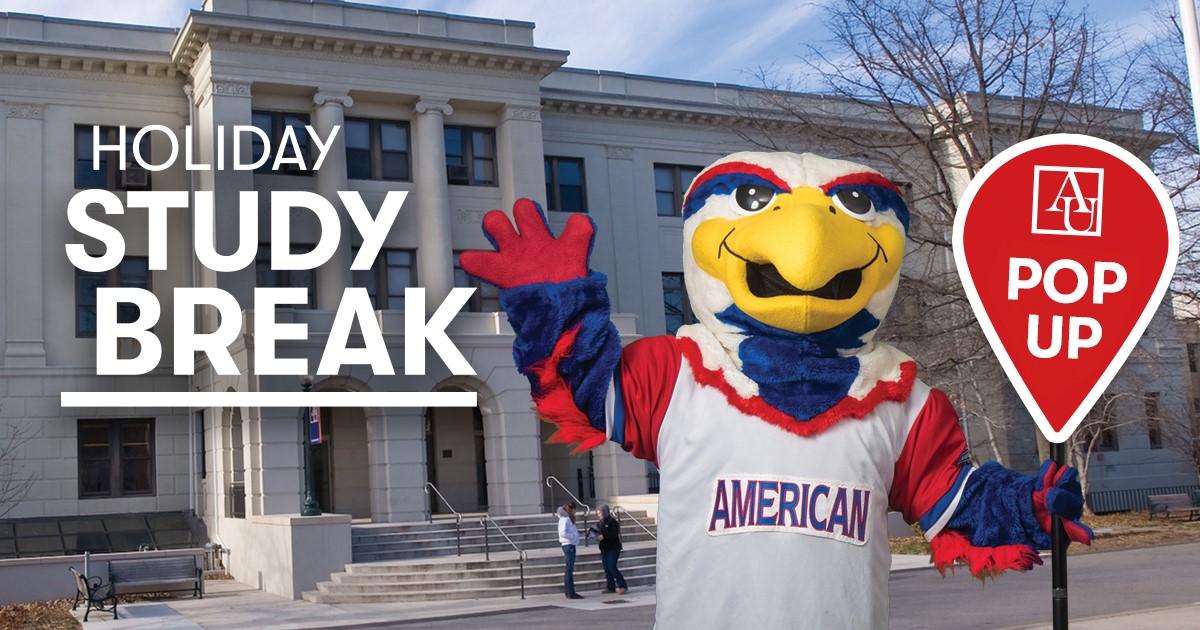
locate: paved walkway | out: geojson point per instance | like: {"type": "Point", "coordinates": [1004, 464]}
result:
{"type": "Point", "coordinates": [230, 605]}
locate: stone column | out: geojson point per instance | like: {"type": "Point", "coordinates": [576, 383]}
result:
{"type": "Point", "coordinates": [627, 251]}
{"type": "Point", "coordinates": [221, 103]}
{"type": "Point", "coordinates": [435, 255]}
{"type": "Point", "coordinates": [519, 155]}
{"type": "Point", "coordinates": [334, 276]}
{"type": "Point", "coordinates": [25, 344]}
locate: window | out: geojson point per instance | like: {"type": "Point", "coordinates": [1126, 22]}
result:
{"type": "Point", "coordinates": [110, 175]}
{"type": "Point", "coordinates": [486, 298]}
{"type": "Point", "coordinates": [564, 185]}
{"type": "Point", "coordinates": [265, 276]}
{"type": "Point", "coordinates": [1099, 428]}
{"type": "Point", "coordinates": [1192, 357]}
{"type": "Point", "coordinates": [1153, 420]}
{"type": "Point", "coordinates": [675, 302]}
{"type": "Point", "coordinates": [133, 271]}
{"type": "Point", "coordinates": [274, 124]}
{"type": "Point", "coordinates": [671, 182]}
{"type": "Point", "coordinates": [376, 149]}
{"type": "Point", "coordinates": [470, 156]}
{"type": "Point", "coordinates": [393, 271]}
{"type": "Point", "coordinates": [116, 458]}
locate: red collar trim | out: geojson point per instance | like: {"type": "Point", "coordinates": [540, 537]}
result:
{"type": "Point", "coordinates": [848, 407]}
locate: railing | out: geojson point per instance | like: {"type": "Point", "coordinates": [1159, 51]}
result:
{"type": "Point", "coordinates": [487, 547]}
{"type": "Point", "coordinates": [587, 509]}
{"type": "Point", "coordinates": [457, 517]}
{"type": "Point", "coordinates": [634, 519]}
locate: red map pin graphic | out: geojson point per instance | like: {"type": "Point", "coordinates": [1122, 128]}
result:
{"type": "Point", "coordinates": [1065, 245]}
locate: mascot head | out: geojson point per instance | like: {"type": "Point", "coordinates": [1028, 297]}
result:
{"type": "Point", "coordinates": [785, 243]}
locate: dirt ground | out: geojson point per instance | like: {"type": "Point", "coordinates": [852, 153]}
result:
{"type": "Point", "coordinates": [1120, 530]}
{"type": "Point", "coordinates": [1125, 530]}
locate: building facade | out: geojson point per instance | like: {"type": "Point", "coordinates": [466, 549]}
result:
{"type": "Point", "coordinates": [464, 114]}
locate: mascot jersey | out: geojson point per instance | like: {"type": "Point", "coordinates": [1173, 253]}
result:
{"type": "Point", "coordinates": [782, 430]}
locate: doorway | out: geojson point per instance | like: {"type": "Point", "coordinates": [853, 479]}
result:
{"type": "Point", "coordinates": [340, 463]}
{"type": "Point", "coordinates": [456, 460]}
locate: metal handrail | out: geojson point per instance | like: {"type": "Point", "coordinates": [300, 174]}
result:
{"type": "Point", "coordinates": [457, 517]}
{"type": "Point", "coordinates": [634, 518]}
{"type": "Point", "coordinates": [487, 547]}
{"type": "Point", "coordinates": [587, 509]}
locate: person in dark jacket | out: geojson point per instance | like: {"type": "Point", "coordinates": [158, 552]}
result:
{"type": "Point", "coordinates": [609, 537]}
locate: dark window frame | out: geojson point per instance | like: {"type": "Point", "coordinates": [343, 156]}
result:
{"type": "Point", "coordinates": [466, 141]}
{"type": "Point", "coordinates": [275, 134]}
{"type": "Point", "coordinates": [110, 160]}
{"type": "Point", "coordinates": [1109, 440]}
{"type": "Point", "coordinates": [686, 314]}
{"type": "Point", "coordinates": [1193, 356]}
{"type": "Point", "coordinates": [116, 458]}
{"type": "Point", "coordinates": [1154, 421]}
{"type": "Point", "coordinates": [678, 187]}
{"type": "Point", "coordinates": [554, 184]}
{"type": "Point", "coordinates": [486, 298]}
{"type": "Point", "coordinates": [113, 278]}
{"type": "Point", "coordinates": [283, 277]}
{"type": "Point", "coordinates": [375, 142]}
{"type": "Point", "coordinates": [379, 269]}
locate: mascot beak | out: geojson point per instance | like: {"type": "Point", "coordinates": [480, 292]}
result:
{"type": "Point", "coordinates": [804, 261]}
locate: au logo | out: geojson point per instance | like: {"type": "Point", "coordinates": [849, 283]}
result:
{"type": "Point", "coordinates": [1067, 200]}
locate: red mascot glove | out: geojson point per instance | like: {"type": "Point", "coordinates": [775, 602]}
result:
{"type": "Point", "coordinates": [533, 255]}
{"type": "Point", "coordinates": [1058, 494]}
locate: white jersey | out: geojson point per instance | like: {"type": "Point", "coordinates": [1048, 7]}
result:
{"type": "Point", "coordinates": [763, 528]}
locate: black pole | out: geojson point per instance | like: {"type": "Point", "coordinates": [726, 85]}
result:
{"type": "Point", "coordinates": [1058, 551]}
{"type": "Point", "coordinates": [310, 507]}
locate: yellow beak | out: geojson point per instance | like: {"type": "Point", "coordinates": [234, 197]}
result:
{"type": "Point", "coordinates": [800, 264]}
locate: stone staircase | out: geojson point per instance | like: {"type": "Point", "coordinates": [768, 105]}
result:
{"type": "Point", "coordinates": [398, 562]}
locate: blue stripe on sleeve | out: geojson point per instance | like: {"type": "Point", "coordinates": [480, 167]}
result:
{"type": "Point", "coordinates": [926, 522]}
{"type": "Point", "coordinates": [618, 415]}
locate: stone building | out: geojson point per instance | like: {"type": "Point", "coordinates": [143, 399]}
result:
{"type": "Point", "coordinates": [467, 115]}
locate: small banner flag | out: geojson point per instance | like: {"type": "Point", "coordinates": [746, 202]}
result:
{"type": "Point", "coordinates": [315, 436]}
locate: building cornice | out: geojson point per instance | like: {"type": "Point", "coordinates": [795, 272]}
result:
{"type": "Point", "coordinates": [355, 45]}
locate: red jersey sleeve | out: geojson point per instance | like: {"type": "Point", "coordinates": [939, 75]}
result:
{"type": "Point", "coordinates": [642, 388]}
{"type": "Point", "coordinates": [932, 467]}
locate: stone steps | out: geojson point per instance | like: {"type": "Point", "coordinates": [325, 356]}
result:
{"type": "Point", "coordinates": [473, 579]}
{"type": "Point", "coordinates": [405, 541]}
{"type": "Point", "coordinates": [397, 562]}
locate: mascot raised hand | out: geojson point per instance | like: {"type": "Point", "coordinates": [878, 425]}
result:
{"type": "Point", "coordinates": [782, 431]}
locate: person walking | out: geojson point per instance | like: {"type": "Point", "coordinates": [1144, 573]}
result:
{"type": "Point", "coordinates": [568, 537]}
{"type": "Point", "coordinates": [609, 537]}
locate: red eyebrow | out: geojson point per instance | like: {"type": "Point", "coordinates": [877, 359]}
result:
{"type": "Point", "coordinates": [860, 179]}
{"type": "Point", "coordinates": [740, 167]}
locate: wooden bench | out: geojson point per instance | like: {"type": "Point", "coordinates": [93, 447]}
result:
{"type": "Point", "coordinates": [1168, 503]}
{"type": "Point", "coordinates": [156, 575]}
{"type": "Point", "coordinates": [97, 594]}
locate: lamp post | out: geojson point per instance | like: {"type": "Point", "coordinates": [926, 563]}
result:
{"type": "Point", "coordinates": [310, 507]}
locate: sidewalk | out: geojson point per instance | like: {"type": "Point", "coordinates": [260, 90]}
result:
{"type": "Point", "coordinates": [230, 605]}
{"type": "Point", "coordinates": [1156, 619]}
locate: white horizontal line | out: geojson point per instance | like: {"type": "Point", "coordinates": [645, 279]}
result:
{"type": "Point", "coordinates": [269, 399]}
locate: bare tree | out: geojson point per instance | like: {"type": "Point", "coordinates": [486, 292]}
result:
{"type": "Point", "coordinates": [948, 84]}
{"type": "Point", "coordinates": [15, 481]}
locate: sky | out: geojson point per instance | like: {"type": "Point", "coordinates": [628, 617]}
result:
{"type": "Point", "coordinates": [703, 40]}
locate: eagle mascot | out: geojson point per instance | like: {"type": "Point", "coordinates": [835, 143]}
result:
{"type": "Point", "coordinates": [782, 430]}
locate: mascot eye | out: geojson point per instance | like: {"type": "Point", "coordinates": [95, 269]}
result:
{"type": "Point", "coordinates": [855, 203]}
{"type": "Point", "coordinates": [752, 197]}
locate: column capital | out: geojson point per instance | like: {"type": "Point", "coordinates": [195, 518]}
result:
{"type": "Point", "coordinates": [514, 112]}
{"type": "Point", "coordinates": [434, 105]}
{"type": "Point", "coordinates": [25, 110]}
{"type": "Point", "coordinates": [340, 98]}
{"type": "Point", "coordinates": [619, 152]}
